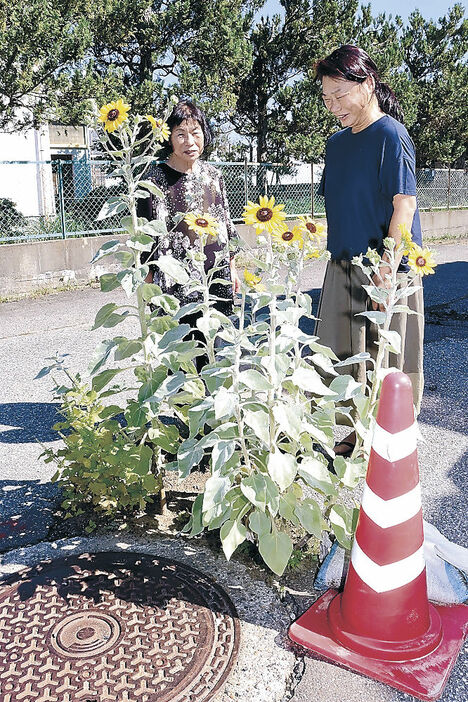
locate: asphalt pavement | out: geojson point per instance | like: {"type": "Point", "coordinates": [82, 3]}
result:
{"type": "Point", "coordinates": [33, 329]}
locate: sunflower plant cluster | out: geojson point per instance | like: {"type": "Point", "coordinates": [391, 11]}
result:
{"type": "Point", "coordinates": [266, 420]}
{"type": "Point", "coordinates": [121, 469]}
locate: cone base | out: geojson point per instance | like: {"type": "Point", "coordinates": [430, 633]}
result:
{"type": "Point", "coordinates": [424, 677]}
{"type": "Point", "coordinates": [386, 650]}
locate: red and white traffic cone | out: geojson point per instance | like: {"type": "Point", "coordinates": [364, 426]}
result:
{"type": "Point", "coordinates": [383, 624]}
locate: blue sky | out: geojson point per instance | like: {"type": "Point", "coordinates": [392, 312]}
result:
{"type": "Point", "coordinates": [429, 8]}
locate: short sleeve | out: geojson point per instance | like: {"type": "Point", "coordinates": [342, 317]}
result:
{"type": "Point", "coordinates": [398, 166]}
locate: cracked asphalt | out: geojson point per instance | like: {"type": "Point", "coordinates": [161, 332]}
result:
{"type": "Point", "coordinates": [33, 329]}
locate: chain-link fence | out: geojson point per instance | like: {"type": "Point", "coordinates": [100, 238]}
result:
{"type": "Point", "coordinates": [62, 198]}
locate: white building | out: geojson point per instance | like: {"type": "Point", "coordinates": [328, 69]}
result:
{"type": "Point", "coordinates": [27, 173]}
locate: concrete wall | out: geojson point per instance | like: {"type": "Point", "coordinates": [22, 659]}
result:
{"type": "Point", "coordinates": [28, 266]}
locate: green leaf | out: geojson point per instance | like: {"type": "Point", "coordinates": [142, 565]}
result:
{"type": "Point", "coordinates": [171, 267]}
{"type": "Point", "coordinates": [357, 358]}
{"type": "Point", "coordinates": [259, 422]}
{"type": "Point", "coordinates": [232, 534]}
{"type": "Point", "coordinates": [316, 474]}
{"type": "Point", "coordinates": [136, 415]}
{"type": "Point", "coordinates": [224, 403]}
{"type": "Point", "coordinates": [254, 489]}
{"type": "Point", "coordinates": [175, 334]}
{"type": "Point", "coordinates": [254, 380]}
{"type": "Point", "coordinates": [100, 355]}
{"type": "Point", "coordinates": [374, 316]}
{"type": "Point", "coordinates": [350, 472]}
{"type": "Point", "coordinates": [111, 208]}
{"type": "Point", "coordinates": [150, 290]}
{"type": "Point", "coordinates": [309, 515]}
{"type": "Point", "coordinates": [110, 247]}
{"type": "Point", "coordinates": [344, 387]}
{"type": "Point", "coordinates": [344, 520]}
{"type": "Point", "coordinates": [222, 452]}
{"type": "Point", "coordinates": [152, 187]}
{"type": "Point", "coordinates": [276, 550]}
{"type": "Point", "coordinates": [283, 468]}
{"type": "Point", "coordinates": [216, 488]}
{"type": "Point", "coordinates": [309, 380]}
{"type": "Point", "coordinates": [168, 303]}
{"type": "Point", "coordinates": [108, 282]}
{"type": "Point", "coordinates": [127, 348]}
{"type": "Point", "coordinates": [287, 505]}
{"type": "Point", "coordinates": [148, 388]}
{"type": "Point", "coordinates": [154, 228]}
{"type": "Point", "coordinates": [195, 524]}
{"type": "Point", "coordinates": [101, 380]}
{"type": "Point", "coordinates": [130, 279]}
{"type": "Point", "coordinates": [188, 456]}
{"type": "Point", "coordinates": [140, 242]}
{"type": "Point", "coordinates": [103, 314]}
{"type": "Point", "coordinates": [393, 340]}
{"type": "Point", "coordinates": [323, 362]}
{"type": "Point", "coordinates": [259, 522]}
{"type": "Point", "coordinates": [288, 419]}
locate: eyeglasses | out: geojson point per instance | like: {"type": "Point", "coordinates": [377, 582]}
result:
{"type": "Point", "coordinates": [328, 101]}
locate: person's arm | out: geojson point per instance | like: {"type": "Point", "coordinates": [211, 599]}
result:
{"type": "Point", "coordinates": [404, 207]}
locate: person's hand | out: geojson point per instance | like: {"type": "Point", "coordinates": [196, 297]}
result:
{"type": "Point", "coordinates": [381, 282]}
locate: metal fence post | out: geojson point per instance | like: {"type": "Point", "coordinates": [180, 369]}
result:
{"type": "Point", "coordinates": [246, 180]}
{"type": "Point", "coordinates": [61, 200]}
{"type": "Point", "coordinates": [448, 188]}
{"type": "Point", "coordinates": [312, 194]}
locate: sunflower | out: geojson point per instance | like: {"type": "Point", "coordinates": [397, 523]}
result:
{"type": "Point", "coordinates": [264, 215]}
{"type": "Point", "coordinates": [202, 223]}
{"type": "Point", "coordinates": [162, 131]}
{"type": "Point", "coordinates": [421, 261]}
{"type": "Point", "coordinates": [287, 236]}
{"type": "Point", "coordinates": [406, 240]}
{"type": "Point", "coordinates": [253, 281]}
{"type": "Point", "coordinates": [314, 229]}
{"type": "Point", "coordinates": [113, 115]}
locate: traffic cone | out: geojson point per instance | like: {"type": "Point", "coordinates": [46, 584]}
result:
{"type": "Point", "coordinates": [382, 624]}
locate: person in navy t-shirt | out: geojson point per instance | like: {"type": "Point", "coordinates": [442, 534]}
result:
{"type": "Point", "coordinates": [369, 185]}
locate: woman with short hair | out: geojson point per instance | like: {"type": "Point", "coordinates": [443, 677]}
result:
{"type": "Point", "coordinates": [189, 184]}
{"type": "Point", "coordinates": [369, 185]}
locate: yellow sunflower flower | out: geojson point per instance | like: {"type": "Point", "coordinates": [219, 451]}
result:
{"type": "Point", "coordinates": [113, 115]}
{"type": "Point", "coordinates": [406, 239]}
{"type": "Point", "coordinates": [253, 281]}
{"type": "Point", "coordinates": [287, 236]}
{"type": "Point", "coordinates": [421, 261]}
{"type": "Point", "coordinates": [202, 223]}
{"type": "Point", "coordinates": [314, 229]}
{"type": "Point", "coordinates": [160, 128]}
{"type": "Point", "coordinates": [264, 215]}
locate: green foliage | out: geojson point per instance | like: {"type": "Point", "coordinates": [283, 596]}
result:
{"type": "Point", "coordinates": [260, 410]}
{"type": "Point", "coordinates": [104, 469]}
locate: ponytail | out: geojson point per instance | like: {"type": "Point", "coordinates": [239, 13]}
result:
{"type": "Point", "coordinates": [387, 101]}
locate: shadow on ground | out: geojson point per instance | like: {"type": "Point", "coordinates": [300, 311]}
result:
{"type": "Point", "coordinates": [27, 512]}
{"type": "Point", "coordinates": [30, 422]}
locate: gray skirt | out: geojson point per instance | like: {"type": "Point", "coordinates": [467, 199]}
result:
{"type": "Point", "coordinates": [338, 327]}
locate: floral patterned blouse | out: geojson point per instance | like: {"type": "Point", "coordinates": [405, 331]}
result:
{"type": "Point", "coordinates": [202, 190]}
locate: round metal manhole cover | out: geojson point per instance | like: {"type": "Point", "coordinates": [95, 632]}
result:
{"type": "Point", "coordinates": [113, 627]}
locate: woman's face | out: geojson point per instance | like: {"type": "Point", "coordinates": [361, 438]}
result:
{"type": "Point", "coordinates": [187, 142]}
{"type": "Point", "coordinates": [346, 99]}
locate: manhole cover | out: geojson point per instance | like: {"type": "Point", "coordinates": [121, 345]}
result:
{"type": "Point", "coordinates": [114, 627]}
